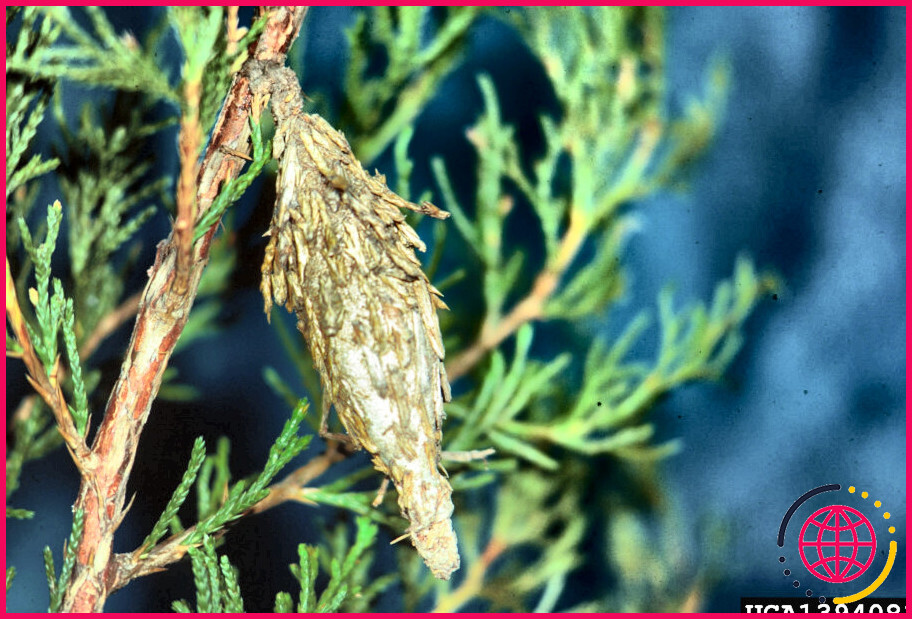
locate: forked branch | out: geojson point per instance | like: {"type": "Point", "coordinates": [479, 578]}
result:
{"type": "Point", "coordinates": [163, 313]}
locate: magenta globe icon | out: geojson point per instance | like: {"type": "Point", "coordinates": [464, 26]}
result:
{"type": "Point", "coordinates": [837, 543]}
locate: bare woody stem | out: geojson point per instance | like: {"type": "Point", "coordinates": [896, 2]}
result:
{"type": "Point", "coordinates": [110, 323]}
{"type": "Point", "coordinates": [103, 329]}
{"type": "Point", "coordinates": [497, 328]}
{"type": "Point", "coordinates": [531, 307]}
{"type": "Point", "coordinates": [474, 580]}
{"type": "Point", "coordinates": [46, 385]}
{"type": "Point", "coordinates": [189, 141]}
{"type": "Point", "coordinates": [292, 487]}
{"type": "Point", "coordinates": [142, 562]}
{"type": "Point", "coordinates": [163, 313]}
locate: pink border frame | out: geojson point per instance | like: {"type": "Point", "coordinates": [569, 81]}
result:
{"type": "Point", "coordinates": [837, 3]}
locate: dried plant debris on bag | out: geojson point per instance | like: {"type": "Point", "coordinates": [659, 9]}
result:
{"type": "Point", "coordinates": [341, 257]}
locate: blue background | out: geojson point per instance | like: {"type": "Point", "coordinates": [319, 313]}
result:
{"type": "Point", "coordinates": [807, 176]}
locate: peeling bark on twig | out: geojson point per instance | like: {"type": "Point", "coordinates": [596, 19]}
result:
{"type": "Point", "coordinates": [163, 312]}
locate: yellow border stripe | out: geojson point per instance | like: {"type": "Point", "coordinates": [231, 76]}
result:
{"type": "Point", "coordinates": [874, 585]}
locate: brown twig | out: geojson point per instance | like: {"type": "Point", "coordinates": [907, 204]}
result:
{"type": "Point", "coordinates": [103, 329]}
{"type": "Point", "coordinates": [530, 308]}
{"type": "Point", "coordinates": [233, 33]}
{"type": "Point", "coordinates": [498, 328]}
{"type": "Point", "coordinates": [189, 141]}
{"type": "Point", "coordinates": [474, 580]}
{"type": "Point", "coordinates": [291, 488]}
{"type": "Point", "coordinates": [148, 561]}
{"type": "Point", "coordinates": [163, 312]}
{"type": "Point", "coordinates": [109, 324]}
{"type": "Point", "coordinates": [47, 386]}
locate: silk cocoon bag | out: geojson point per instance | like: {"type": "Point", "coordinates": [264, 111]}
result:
{"type": "Point", "coordinates": [341, 257]}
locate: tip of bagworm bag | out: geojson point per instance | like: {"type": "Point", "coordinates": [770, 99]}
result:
{"type": "Point", "coordinates": [437, 546]}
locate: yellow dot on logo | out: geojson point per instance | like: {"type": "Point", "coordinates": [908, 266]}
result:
{"type": "Point", "coordinates": [851, 489]}
{"type": "Point", "coordinates": [864, 495]}
{"type": "Point", "coordinates": [886, 515]}
{"type": "Point", "coordinates": [892, 529]}
{"type": "Point", "coordinates": [876, 503]}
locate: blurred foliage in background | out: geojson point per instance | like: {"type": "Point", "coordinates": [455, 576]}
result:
{"type": "Point", "coordinates": [568, 515]}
